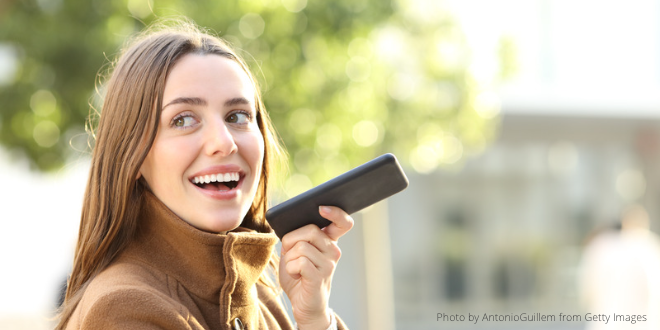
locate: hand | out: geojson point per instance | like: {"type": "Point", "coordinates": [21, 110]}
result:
{"type": "Point", "coordinates": [307, 263]}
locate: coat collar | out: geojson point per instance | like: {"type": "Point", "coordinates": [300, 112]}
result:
{"type": "Point", "coordinates": [219, 268]}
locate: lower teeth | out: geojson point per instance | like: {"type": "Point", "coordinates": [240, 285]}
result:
{"type": "Point", "coordinates": [218, 185]}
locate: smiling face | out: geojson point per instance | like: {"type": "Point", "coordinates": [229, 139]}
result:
{"type": "Point", "coordinates": [206, 160]}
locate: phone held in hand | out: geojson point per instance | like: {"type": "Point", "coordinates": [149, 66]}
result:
{"type": "Point", "coordinates": [352, 191]}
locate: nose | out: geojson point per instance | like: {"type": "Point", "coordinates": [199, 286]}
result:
{"type": "Point", "coordinates": [219, 139]}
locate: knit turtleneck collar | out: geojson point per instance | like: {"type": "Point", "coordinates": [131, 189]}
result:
{"type": "Point", "coordinates": [219, 268]}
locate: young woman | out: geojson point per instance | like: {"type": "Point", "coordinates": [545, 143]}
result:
{"type": "Point", "coordinates": [172, 233]}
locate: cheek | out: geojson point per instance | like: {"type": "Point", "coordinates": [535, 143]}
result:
{"type": "Point", "coordinates": [166, 157]}
{"type": "Point", "coordinates": [253, 150]}
{"type": "Point", "coordinates": [151, 168]}
{"type": "Point", "coordinates": [148, 167]}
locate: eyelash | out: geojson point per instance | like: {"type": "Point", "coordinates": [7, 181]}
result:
{"type": "Point", "coordinates": [180, 116]}
{"type": "Point", "coordinates": [247, 114]}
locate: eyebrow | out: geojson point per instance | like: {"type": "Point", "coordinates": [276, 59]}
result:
{"type": "Point", "coordinates": [202, 102]}
{"type": "Point", "coordinates": [236, 101]}
{"type": "Point", "coordinates": [186, 100]}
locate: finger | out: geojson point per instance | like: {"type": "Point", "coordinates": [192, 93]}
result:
{"type": "Point", "coordinates": [341, 221]}
{"type": "Point", "coordinates": [310, 233]}
{"type": "Point", "coordinates": [301, 267]}
{"type": "Point", "coordinates": [325, 263]}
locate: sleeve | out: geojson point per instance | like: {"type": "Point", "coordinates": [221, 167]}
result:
{"type": "Point", "coordinates": [136, 309]}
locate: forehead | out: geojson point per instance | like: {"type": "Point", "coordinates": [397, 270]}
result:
{"type": "Point", "coordinates": [210, 75]}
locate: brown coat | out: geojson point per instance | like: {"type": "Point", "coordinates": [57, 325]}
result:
{"type": "Point", "coordinates": [174, 276]}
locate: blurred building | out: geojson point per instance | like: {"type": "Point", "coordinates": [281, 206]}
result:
{"type": "Point", "coordinates": [505, 233]}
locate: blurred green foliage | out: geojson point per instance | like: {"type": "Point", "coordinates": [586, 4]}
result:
{"type": "Point", "coordinates": [344, 80]}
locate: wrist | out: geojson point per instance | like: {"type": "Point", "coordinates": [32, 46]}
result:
{"type": "Point", "coordinates": [326, 322]}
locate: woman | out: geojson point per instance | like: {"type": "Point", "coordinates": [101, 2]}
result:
{"type": "Point", "coordinates": [172, 233]}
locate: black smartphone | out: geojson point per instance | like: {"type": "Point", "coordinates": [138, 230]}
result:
{"type": "Point", "coordinates": [352, 191]}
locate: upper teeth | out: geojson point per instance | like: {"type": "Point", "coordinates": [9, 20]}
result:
{"type": "Point", "coordinates": [220, 177]}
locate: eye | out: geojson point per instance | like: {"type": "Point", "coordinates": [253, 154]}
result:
{"type": "Point", "coordinates": [239, 117]}
{"type": "Point", "coordinates": [183, 121]}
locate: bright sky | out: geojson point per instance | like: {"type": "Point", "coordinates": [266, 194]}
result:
{"type": "Point", "coordinates": [580, 54]}
{"type": "Point", "coordinates": [587, 56]}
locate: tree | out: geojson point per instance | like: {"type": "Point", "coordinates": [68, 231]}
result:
{"type": "Point", "coordinates": [344, 80]}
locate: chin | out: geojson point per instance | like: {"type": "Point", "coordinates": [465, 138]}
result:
{"type": "Point", "coordinates": [221, 223]}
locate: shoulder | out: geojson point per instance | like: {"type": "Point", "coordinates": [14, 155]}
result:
{"type": "Point", "coordinates": [130, 308]}
{"type": "Point", "coordinates": [128, 281]}
{"type": "Point", "coordinates": [127, 296]}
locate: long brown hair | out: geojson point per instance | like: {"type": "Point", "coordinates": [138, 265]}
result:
{"type": "Point", "coordinates": [126, 131]}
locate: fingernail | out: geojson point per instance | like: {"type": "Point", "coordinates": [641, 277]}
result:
{"type": "Point", "coordinates": [324, 209]}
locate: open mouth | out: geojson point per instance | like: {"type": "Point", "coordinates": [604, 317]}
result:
{"type": "Point", "coordinates": [217, 182]}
